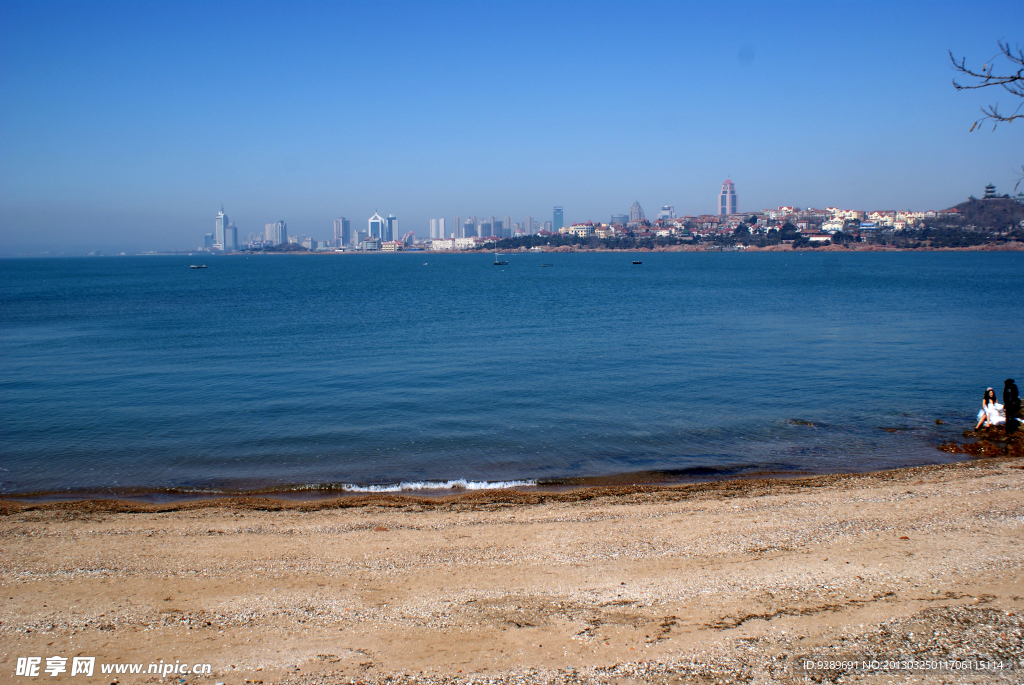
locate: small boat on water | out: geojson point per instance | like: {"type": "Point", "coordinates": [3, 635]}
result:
{"type": "Point", "coordinates": [197, 266]}
{"type": "Point", "coordinates": [498, 262]}
{"type": "Point", "coordinates": [547, 264]}
{"type": "Point", "coordinates": [638, 262]}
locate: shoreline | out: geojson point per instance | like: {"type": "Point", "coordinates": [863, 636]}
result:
{"type": "Point", "coordinates": [1004, 247]}
{"type": "Point", "coordinates": [314, 500]}
{"type": "Point", "coordinates": [735, 581]}
{"type": "Point", "coordinates": [991, 247]}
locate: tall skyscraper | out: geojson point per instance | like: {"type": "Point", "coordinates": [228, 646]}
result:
{"type": "Point", "coordinates": [391, 231]}
{"type": "Point", "coordinates": [558, 222]}
{"type": "Point", "coordinates": [376, 226]}
{"type": "Point", "coordinates": [469, 228]}
{"type": "Point", "coordinates": [528, 225]}
{"type": "Point", "coordinates": [636, 213]}
{"type": "Point", "coordinates": [219, 226]}
{"type": "Point", "coordinates": [437, 229]}
{"type": "Point", "coordinates": [727, 198]}
{"type": "Point", "coordinates": [342, 232]}
{"type": "Point", "coordinates": [498, 228]}
{"type": "Point", "coordinates": [230, 238]}
{"type": "Point", "coordinates": [507, 227]}
{"type": "Point", "coordinates": [667, 212]}
{"type": "Point", "coordinates": [276, 233]}
{"type": "Point", "coordinates": [620, 219]}
{"type": "Point", "coordinates": [457, 233]}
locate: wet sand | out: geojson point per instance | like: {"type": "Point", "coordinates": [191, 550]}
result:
{"type": "Point", "coordinates": [737, 581]}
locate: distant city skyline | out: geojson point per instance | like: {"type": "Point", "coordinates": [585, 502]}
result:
{"type": "Point", "coordinates": [381, 232]}
{"type": "Point", "coordinates": [110, 141]}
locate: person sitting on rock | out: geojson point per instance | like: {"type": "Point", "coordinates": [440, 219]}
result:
{"type": "Point", "coordinates": [991, 413]}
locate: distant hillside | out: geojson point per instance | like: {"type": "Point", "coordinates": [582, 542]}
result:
{"type": "Point", "coordinates": [997, 213]}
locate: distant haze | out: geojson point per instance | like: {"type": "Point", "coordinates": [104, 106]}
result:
{"type": "Point", "coordinates": [124, 126]}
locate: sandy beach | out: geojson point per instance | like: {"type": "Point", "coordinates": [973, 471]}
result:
{"type": "Point", "coordinates": [741, 581]}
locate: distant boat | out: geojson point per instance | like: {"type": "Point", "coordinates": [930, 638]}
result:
{"type": "Point", "coordinates": [197, 266]}
{"type": "Point", "coordinates": [498, 262]}
{"type": "Point", "coordinates": [547, 264]}
{"type": "Point", "coordinates": [638, 262]}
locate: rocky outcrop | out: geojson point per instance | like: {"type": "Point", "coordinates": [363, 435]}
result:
{"type": "Point", "coordinates": [989, 442]}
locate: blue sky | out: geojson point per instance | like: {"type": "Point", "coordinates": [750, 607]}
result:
{"type": "Point", "coordinates": [126, 125]}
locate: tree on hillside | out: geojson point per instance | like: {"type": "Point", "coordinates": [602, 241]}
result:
{"type": "Point", "coordinates": [1010, 79]}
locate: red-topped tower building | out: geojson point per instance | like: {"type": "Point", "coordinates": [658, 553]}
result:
{"type": "Point", "coordinates": [727, 198]}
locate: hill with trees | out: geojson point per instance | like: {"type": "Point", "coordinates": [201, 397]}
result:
{"type": "Point", "coordinates": [995, 213]}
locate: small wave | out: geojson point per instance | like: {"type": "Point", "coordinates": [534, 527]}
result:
{"type": "Point", "coordinates": [460, 484]}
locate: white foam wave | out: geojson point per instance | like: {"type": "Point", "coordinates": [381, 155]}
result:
{"type": "Point", "coordinates": [459, 484]}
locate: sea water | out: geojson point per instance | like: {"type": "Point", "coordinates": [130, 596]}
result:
{"type": "Point", "coordinates": [418, 371]}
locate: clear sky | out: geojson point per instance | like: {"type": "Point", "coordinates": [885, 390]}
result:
{"type": "Point", "coordinates": [126, 125]}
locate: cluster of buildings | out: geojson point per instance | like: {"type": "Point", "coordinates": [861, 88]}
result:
{"type": "Point", "coordinates": [383, 234]}
{"type": "Point", "coordinates": [493, 227]}
{"type": "Point", "coordinates": [380, 234]}
{"type": "Point", "coordinates": [225, 235]}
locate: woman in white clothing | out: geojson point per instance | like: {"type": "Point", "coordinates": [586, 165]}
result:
{"type": "Point", "coordinates": [991, 413]}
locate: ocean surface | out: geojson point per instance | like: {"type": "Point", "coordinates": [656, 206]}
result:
{"type": "Point", "coordinates": [416, 371]}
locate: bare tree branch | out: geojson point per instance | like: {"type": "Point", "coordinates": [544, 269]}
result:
{"type": "Point", "coordinates": [1011, 81]}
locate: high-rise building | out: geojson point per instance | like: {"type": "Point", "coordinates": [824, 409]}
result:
{"type": "Point", "coordinates": [636, 214]}
{"type": "Point", "coordinates": [391, 232]}
{"type": "Point", "coordinates": [230, 238]}
{"type": "Point", "coordinates": [469, 228]}
{"type": "Point", "coordinates": [620, 219]}
{"type": "Point", "coordinates": [507, 227]}
{"type": "Point", "coordinates": [559, 221]}
{"type": "Point", "coordinates": [276, 233]}
{"type": "Point", "coordinates": [219, 225]}
{"type": "Point", "coordinates": [727, 198]}
{"type": "Point", "coordinates": [208, 241]}
{"type": "Point", "coordinates": [457, 233]}
{"type": "Point", "coordinates": [667, 212]}
{"type": "Point", "coordinates": [498, 228]}
{"type": "Point", "coordinates": [484, 229]}
{"type": "Point", "coordinates": [376, 226]}
{"type": "Point", "coordinates": [547, 226]}
{"type": "Point", "coordinates": [528, 225]}
{"type": "Point", "coordinates": [437, 229]}
{"type": "Point", "coordinates": [342, 232]}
